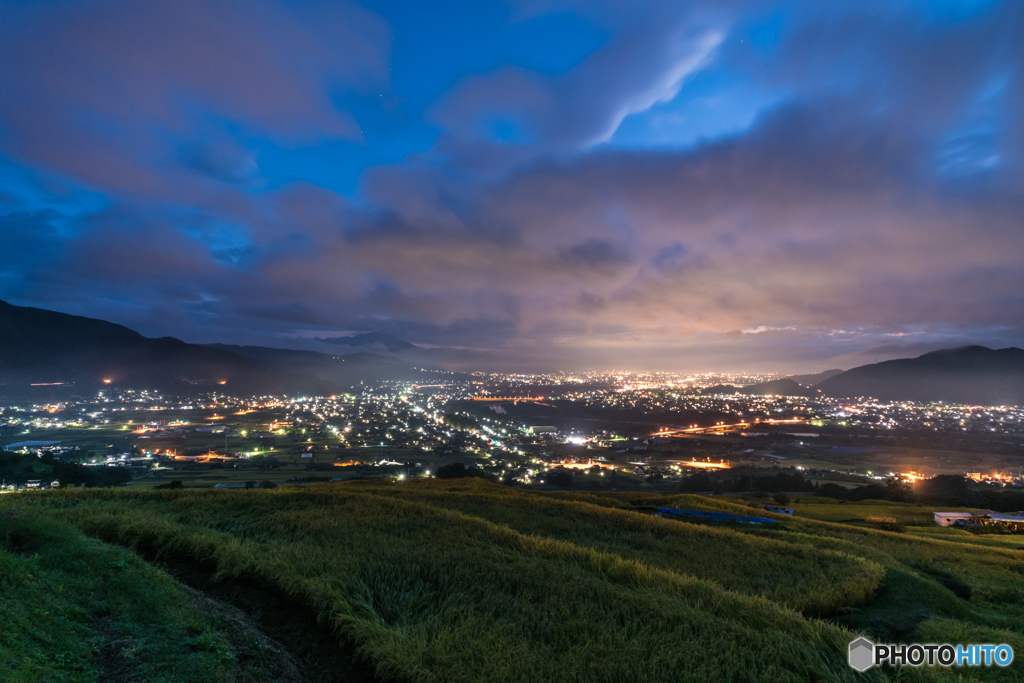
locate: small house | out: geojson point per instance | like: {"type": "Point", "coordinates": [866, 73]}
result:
{"type": "Point", "coordinates": [951, 518]}
{"type": "Point", "coordinates": [1011, 522]}
{"type": "Point", "coordinates": [542, 429]}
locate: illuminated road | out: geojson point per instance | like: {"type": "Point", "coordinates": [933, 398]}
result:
{"type": "Point", "coordinates": [720, 428]}
{"type": "Point", "coordinates": [514, 399]}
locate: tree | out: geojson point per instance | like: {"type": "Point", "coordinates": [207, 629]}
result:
{"type": "Point", "coordinates": [455, 470]}
{"type": "Point", "coordinates": [830, 490]}
{"type": "Point", "coordinates": [460, 421]}
{"type": "Point", "coordinates": [899, 490]}
{"type": "Point", "coordinates": [696, 482]}
{"type": "Point", "coordinates": [944, 489]}
{"type": "Point", "coordinates": [781, 498]}
{"type": "Point", "coordinates": [70, 473]}
{"type": "Point", "coordinates": [559, 477]}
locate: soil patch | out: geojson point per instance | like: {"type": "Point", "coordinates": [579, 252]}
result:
{"type": "Point", "coordinates": [267, 624]}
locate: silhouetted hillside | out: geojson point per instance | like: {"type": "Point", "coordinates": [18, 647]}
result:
{"type": "Point", "coordinates": [377, 343]}
{"type": "Point", "coordinates": [347, 370]}
{"type": "Point", "coordinates": [387, 342]}
{"type": "Point", "coordinates": [777, 387]}
{"type": "Point", "coordinates": [720, 389]}
{"type": "Point", "coordinates": [817, 378]}
{"type": "Point", "coordinates": [971, 374]}
{"type": "Point", "coordinates": [39, 346]}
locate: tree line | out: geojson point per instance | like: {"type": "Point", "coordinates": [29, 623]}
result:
{"type": "Point", "coordinates": [948, 490]}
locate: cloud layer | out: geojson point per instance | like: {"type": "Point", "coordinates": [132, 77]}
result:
{"type": "Point", "coordinates": [742, 185]}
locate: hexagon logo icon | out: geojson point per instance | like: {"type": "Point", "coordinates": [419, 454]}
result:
{"type": "Point", "coordinates": [862, 654]}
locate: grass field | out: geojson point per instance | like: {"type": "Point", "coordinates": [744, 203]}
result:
{"type": "Point", "coordinates": [466, 580]}
{"type": "Point", "coordinates": [73, 608]}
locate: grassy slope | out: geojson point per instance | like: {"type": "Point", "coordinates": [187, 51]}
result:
{"type": "Point", "coordinates": [806, 579]}
{"type": "Point", "coordinates": [465, 581]}
{"type": "Point", "coordinates": [75, 609]}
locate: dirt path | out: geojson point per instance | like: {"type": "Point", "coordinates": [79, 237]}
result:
{"type": "Point", "coordinates": [251, 647]}
{"type": "Point", "coordinates": [272, 632]}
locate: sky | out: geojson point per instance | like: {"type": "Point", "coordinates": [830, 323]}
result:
{"type": "Point", "coordinates": [637, 184]}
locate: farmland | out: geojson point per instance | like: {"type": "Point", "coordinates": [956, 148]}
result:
{"type": "Point", "coordinates": [466, 580]}
{"type": "Point", "coordinates": [73, 608]}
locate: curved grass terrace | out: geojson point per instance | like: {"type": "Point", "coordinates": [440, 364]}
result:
{"type": "Point", "coordinates": [466, 580]}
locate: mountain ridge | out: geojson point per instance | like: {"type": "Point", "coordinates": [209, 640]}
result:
{"type": "Point", "coordinates": [345, 368]}
{"type": "Point", "coordinates": [386, 341]}
{"type": "Point", "coordinates": [967, 374]}
{"type": "Point", "coordinates": [775, 387]}
{"type": "Point", "coordinates": [41, 346]}
{"type": "Point", "coordinates": [810, 380]}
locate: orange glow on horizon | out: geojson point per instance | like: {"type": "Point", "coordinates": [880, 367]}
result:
{"type": "Point", "coordinates": [205, 457]}
{"type": "Point", "coordinates": [719, 427]}
{"type": "Point", "coordinates": [514, 399]}
{"type": "Point", "coordinates": [707, 465]}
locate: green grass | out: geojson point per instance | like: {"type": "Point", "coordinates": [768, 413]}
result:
{"type": "Point", "coordinates": [467, 580]}
{"type": "Point", "coordinates": [910, 514]}
{"type": "Point", "coordinates": [73, 608]}
{"type": "Point", "coordinates": [953, 535]}
{"type": "Point", "coordinates": [805, 579]}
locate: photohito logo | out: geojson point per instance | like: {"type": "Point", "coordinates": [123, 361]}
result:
{"type": "Point", "coordinates": [863, 654]}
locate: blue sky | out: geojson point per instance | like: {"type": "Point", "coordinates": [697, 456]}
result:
{"type": "Point", "coordinates": [702, 185]}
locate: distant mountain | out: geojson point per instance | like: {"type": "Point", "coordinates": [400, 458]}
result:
{"type": "Point", "coordinates": [437, 357]}
{"type": "Point", "coordinates": [971, 375]}
{"type": "Point", "coordinates": [41, 347]}
{"type": "Point", "coordinates": [348, 369]}
{"type": "Point", "coordinates": [811, 380]}
{"type": "Point", "coordinates": [725, 389]}
{"type": "Point", "coordinates": [386, 342]}
{"type": "Point", "coordinates": [453, 359]}
{"type": "Point", "coordinates": [777, 387]}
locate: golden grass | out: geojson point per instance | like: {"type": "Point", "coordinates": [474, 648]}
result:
{"type": "Point", "coordinates": [809, 580]}
{"type": "Point", "coordinates": [469, 581]}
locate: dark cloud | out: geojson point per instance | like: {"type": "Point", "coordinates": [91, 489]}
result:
{"type": "Point", "coordinates": [591, 303]}
{"type": "Point", "coordinates": [596, 254]}
{"type": "Point", "coordinates": [223, 160]}
{"type": "Point", "coordinates": [98, 89]}
{"type": "Point", "coordinates": [873, 207]}
{"type": "Point", "coordinates": [27, 236]}
{"type": "Point", "coordinates": [669, 257]}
